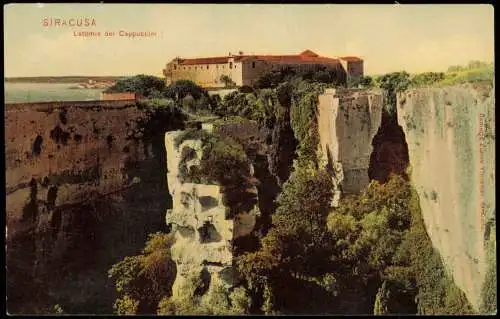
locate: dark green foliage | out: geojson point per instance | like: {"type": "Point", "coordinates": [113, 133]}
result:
{"type": "Point", "coordinates": [387, 234]}
{"type": "Point", "coordinates": [274, 78]}
{"type": "Point", "coordinates": [427, 78]}
{"type": "Point", "coordinates": [246, 89]}
{"type": "Point", "coordinates": [297, 244]}
{"type": "Point", "coordinates": [303, 119]}
{"type": "Point", "coordinates": [228, 82]}
{"type": "Point", "coordinates": [146, 86]}
{"type": "Point", "coordinates": [361, 81]}
{"type": "Point", "coordinates": [160, 116]}
{"type": "Point", "coordinates": [192, 134]}
{"type": "Point", "coordinates": [489, 288]}
{"type": "Point", "coordinates": [393, 83]}
{"type": "Point", "coordinates": [142, 280]}
{"type": "Point", "coordinates": [182, 88]}
{"type": "Point", "coordinates": [321, 75]}
{"type": "Point", "coordinates": [223, 162]}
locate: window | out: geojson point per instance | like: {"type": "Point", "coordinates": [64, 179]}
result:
{"type": "Point", "coordinates": [207, 67]}
{"type": "Point", "coordinates": [175, 67]}
{"type": "Point", "coordinates": [230, 65]}
{"type": "Point", "coordinates": [253, 65]}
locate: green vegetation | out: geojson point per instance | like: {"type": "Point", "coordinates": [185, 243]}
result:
{"type": "Point", "coordinates": [427, 78]}
{"type": "Point", "coordinates": [371, 254]}
{"type": "Point", "coordinates": [376, 246]}
{"type": "Point", "coordinates": [146, 86]}
{"type": "Point", "coordinates": [143, 279]}
{"type": "Point", "coordinates": [182, 88]}
{"type": "Point", "coordinates": [228, 82]}
{"type": "Point", "coordinates": [489, 288]}
{"type": "Point", "coordinates": [216, 301]}
{"type": "Point", "coordinates": [473, 72]}
{"type": "Point", "coordinates": [323, 75]}
{"type": "Point", "coordinates": [222, 162]}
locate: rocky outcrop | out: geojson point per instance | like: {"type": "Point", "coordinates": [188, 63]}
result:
{"type": "Point", "coordinates": [451, 144]}
{"type": "Point", "coordinates": [203, 231]}
{"type": "Point", "coordinates": [68, 150]}
{"type": "Point", "coordinates": [347, 124]}
{"type": "Point", "coordinates": [72, 170]}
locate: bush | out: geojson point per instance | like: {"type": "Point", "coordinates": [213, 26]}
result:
{"type": "Point", "coordinates": [182, 88]}
{"type": "Point", "coordinates": [427, 78]}
{"type": "Point", "coordinates": [126, 305]}
{"type": "Point", "coordinates": [228, 82]}
{"type": "Point", "coordinates": [143, 279]}
{"type": "Point", "coordinates": [146, 86]}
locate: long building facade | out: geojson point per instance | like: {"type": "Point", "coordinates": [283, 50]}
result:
{"type": "Point", "coordinates": [246, 69]}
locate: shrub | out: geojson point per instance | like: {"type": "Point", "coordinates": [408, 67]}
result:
{"type": "Point", "coordinates": [147, 86]}
{"type": "Point", "coordinates": [126, 305]}
{"type": "Point", "coordinates": [182, 88]}
{"type": "Point", "coordinates": [143, 279]}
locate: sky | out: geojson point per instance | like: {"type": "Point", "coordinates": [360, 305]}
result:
{"type": "Point", "coordinates": [415, 38]}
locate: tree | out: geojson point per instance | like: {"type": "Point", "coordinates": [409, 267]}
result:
{"type": "Point", "coordinates": [393, 83]}
{"type": "Point", "coordinates": [427, 78]}
{"type": "Point", "coordinates": [182, 88]}
{"type": "Point", "coordinates": [228, 82]}
{"type": "Point", "coordinates": [147, 86]}
{"type": "Point", "coordinates": [142, 280]}
{"type": "Point", "coordinates": [126, 305]}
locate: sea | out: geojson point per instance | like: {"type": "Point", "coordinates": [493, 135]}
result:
{"type": "Point", "coordinates": [18, 92]}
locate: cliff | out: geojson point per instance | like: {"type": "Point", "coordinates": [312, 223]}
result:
{"type": "Point", "coordinates": [347, 123]}
{"type": "Point", "coordinates": [451, 145]}
{"type": "Point", "coordinates": [60, 153]}
{"type": "Point", "coordinates": [204, 233]}
{"type": "Point", "coordinates": [82, 190]}
{"type": "Point", "coordinates": [445, 136]}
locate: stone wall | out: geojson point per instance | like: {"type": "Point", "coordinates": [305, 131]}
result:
{"type": "Point", "coordinates": [451, 144]}
{"type": "Point", "coordinates": [69, 149]}
{"type": "Point", "coordinates": [203, 232]}
{"type": "Point", "coordinates": [347, 123]}
{"type": "Point", "coordinates": [118, 96]}
{"type": "Point", "coordinates": [205, 75]}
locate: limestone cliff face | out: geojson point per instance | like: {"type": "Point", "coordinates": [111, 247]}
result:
{"type": "Point", "coordinates": [65, 151]}
{"type": "Point", "coordinates": [203, 233]}
{"type": "Point", "coordinates": [347, 124]}
{"type": "Point", "coordinates": [450, 136]}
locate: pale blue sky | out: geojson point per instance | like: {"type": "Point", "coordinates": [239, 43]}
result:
{"type": "Point", "coordinates": [389, 38]}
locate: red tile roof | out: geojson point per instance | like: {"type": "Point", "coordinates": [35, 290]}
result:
{"type": "Point", "coordinates": [308, 53]}
{"type": "Point", "coordinates": [214, 60]}
{"type": "Point", "coordinates": [350, 58]}
{"type": "Point", "coordinates": [290, 59]}
{"type": "Point", "coordinates": [306, 56]}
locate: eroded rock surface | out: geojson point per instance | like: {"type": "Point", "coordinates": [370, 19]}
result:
{"type": "Point", "coordinates": [204, 233]}
{"type": "Point", "coordinates": [347, 123]}
{"type": "Point", "coordinates": [451, 144]}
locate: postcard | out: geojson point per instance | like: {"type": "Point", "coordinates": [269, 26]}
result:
{"type": "Point", "coordinates": [249, 159]}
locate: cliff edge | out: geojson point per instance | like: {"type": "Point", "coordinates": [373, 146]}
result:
{"type": "Point", "coordinates": [451, 146]}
